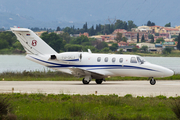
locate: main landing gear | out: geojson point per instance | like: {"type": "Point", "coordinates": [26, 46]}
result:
{"type": "Point", "coordinates": [98, 81]}
{"type": "Point", "coordinates": [152, 81]}
{"type": "Point", "coordinates": [85, 81]}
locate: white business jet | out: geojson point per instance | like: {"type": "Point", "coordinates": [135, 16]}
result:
{"type": "Point", "coordinates": [86, 64]}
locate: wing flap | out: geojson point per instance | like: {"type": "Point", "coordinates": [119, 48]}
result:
{"type": "Point", "coordinates": [78, 72]}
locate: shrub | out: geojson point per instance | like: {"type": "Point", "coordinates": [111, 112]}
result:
{"type": "Point", "coordinates": [135, 49]}
{"type": "Point", "coordinates": [66, 97]}
{"type": "Point", "coordinates": [128, 96]}
{"type": "Point", "coordinates": [5, 109]}
{"type": "Point", "coordinates": [161, 97]}
{"type": "Point", "coordinates": [111, 116]}
{"type": "Point", "coordinates": [120, 51]}
{"type": "Point", "coordinates": [176, 108]}
{"type": "Point", "coordinates": [167, 50]}
{"type": "Point", "coordinates": [76, 110]}
{"type": "Point", "coordinates": [10, 116]}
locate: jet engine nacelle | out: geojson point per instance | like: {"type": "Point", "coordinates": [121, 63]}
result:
{"type": "Point", "coordinates": [66, 57]}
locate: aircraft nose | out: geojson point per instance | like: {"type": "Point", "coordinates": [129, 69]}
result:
{"type": "Point", "coordinates": [168, 73]}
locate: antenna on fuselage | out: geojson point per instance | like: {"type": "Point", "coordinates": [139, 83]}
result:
{"type": "Point", "coordinates": [89, 51]}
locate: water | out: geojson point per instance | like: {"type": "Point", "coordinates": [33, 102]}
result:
{"type": "Point", "coordinates": [19, 63]}
{"type": "Point", "coordinates": [172, 63]}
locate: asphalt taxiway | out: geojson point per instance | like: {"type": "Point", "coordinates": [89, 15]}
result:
{"type": "Point", "coordinates": [120, 88]}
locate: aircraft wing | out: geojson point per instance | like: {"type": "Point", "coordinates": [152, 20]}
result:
{"type": "Point", "coordinates": [78, 72]}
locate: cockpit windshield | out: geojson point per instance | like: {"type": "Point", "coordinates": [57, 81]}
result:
{"type": "Point", "coordinates": [141, 60]}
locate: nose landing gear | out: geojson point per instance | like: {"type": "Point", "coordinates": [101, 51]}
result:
{"type": "Point", "coordinates": [99, 81]}
{"type": "Point", "coordinates": [152, 81]}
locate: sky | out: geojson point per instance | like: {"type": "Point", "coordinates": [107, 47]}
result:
{"type": "Point", "coordinates": [94, 11]}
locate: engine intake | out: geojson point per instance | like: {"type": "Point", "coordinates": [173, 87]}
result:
{"type": "Point", "coordinates": [53, 57]}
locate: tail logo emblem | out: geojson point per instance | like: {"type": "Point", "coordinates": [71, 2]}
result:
{"type": "Point", "coordinates": [34, 43]}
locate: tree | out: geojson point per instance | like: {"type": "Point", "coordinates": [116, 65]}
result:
{"type": "Point", "coordinates": [54, 40]}
{"type": "Point", "coordinates": [99, 29]}
{"type": "Point", "coordinates": [137, 37]}
{"type": "Point", "coordinates": [85, 27]}
{"type": "Point", "coordinates": [149, 23]}
{"type": "Point", "coordinates": [135, 49]}
{"type": "Point", "coordinates": [120, 51]}
{"type": "Point", "coordinates": [8, 37]}
{"type": "Point", "coordinates": [167, 50]}
{"type": "Point", "coordinates": [80, 40]}
{"type": "Point", "coordinates": [91, 31]}
{"type": "Point", "coordinates": [119, 24]}
{"type": "Point", "coordinates": [131, 25]}
{"type": "Point", "coordinates": [58, 29]}
{"type": "Point", "coordinates": [92, 48]}
{"type": "Point", "coordinates": [17, 45]}
{"type": "Point", "coordinates": [153, 24]}
{"type": "Point", "coordinates": [142, 38]}
{"type": "Point", "coordinates": [175, 39]}
{"type": "Point", "coordinates": [65, 36]}
{"type": "Point", "coordinates": [174, 36]}
{"type": "Point", "coordinates": [125, 25]}
{"type": "Point", "coordinates": [150, 36]}
{"type": "Point", "coordinates": [124, 39]}
{"type": "Point", "coordinates": [144, 48]}
{"type": "Point", "coordinates": [86, 44]}
{"type": "Point", "coordinates": [159, 40]}
{"type": "Point", "coordinates": [118, 37]}
{"type": "Point", "coordinates": [3, 44]}
{"type": "Point", "coordinates": [67, 29]}
{"type": "Point", "coordinates": [152, 39]}
{"type": "Point", "coordinates": [105, 50]}
{"type": "Point", "coordinates": [168, 25]}
{"type": "Point", "coordinates": [71, 47]}
{"type": "Point", "coordinates": [114, 47]}
{"type": "Point", "coordinates": [101, 45]}
{"type": "Point", "coordinates": [178, 45]}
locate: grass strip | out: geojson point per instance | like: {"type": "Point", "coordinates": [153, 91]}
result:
{"type": "Point", "coordinates": [91, 107]}
{"type": "Point", "coordinates": [59, 76]}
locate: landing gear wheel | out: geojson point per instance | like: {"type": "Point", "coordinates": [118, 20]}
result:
{"type": "Point", "coordinates": [152, 81]}
{"type": "Point", "coordinates": [99, 81]}
{"type": "Point", "coordinates": [85, 82]}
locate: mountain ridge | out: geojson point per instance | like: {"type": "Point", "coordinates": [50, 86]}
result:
{"type": "Point", "coordinates": [50, 14]}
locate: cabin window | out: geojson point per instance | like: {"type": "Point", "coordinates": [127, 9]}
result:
{"type": "Point", "coordinates": [121, 60]}
{"type": "Point", "coordinates": [138, 59]}
{"type": "Point", "coordinates": [99, 59]}
{"type": "Point", "coordinates": [133, 60]}
{"type": "Point", "coordinates": [113, 59]}
{"type": "Point", "coordinates": [106, 59]}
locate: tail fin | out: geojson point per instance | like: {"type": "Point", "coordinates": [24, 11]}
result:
{"type": "Point", "coordinates": [32, 43]}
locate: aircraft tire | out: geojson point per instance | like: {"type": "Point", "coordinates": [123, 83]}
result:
{"type": "Point", "coordinates": [152, 81]}
{"type": "Point", "coordinates": [98, 81]}
{"type": "Point", "coordinates": [85, 82]}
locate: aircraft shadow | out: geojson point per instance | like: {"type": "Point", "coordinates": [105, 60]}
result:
{"type": "Point", "coordinates": [92, 84]}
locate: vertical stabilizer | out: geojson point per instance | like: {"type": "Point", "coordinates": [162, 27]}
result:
{"type": "Point", "coordinates": [32, 43]}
